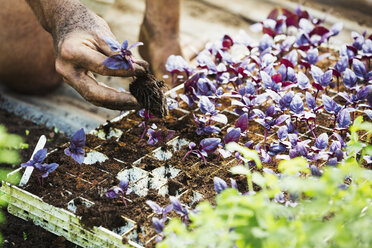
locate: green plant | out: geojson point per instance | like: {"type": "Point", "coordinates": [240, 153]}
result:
{"type": "Point", "coordinates": [9, 143]}
{"type": "Point", "coordinates": [333, 210]}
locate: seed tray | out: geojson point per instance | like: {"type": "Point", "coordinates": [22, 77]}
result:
{"type": "Point", "coordinates": [64, 221]}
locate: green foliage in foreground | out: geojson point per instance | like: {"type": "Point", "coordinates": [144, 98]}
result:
{"type": "Point", "coordinates": [9, 143]}
{"type": "Point", "coordinates": [328, 214]}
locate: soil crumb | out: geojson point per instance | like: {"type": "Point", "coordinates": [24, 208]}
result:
{"type": "Point", "coordinates": [149, 94]}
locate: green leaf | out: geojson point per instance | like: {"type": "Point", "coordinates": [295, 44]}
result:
{"type": "Point", "coordinates": [294, 166]}
{"type": "Point", "coordinates": [240, 169]}
{"type": "Point", "coordinates": [247, 153]}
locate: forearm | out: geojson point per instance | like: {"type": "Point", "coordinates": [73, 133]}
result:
{"type": "Point", "coordinates": [60, 17]}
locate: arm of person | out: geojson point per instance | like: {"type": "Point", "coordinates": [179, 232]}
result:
{"type": "Point", "coordinates": [80, 49]}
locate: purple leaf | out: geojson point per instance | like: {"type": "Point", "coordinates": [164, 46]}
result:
{"type": "Point", "coordinates": [359, 69]}
{"type": "Point", "coordinates": [310, 101]}
{"type": "Point", "coordinates": [326, 78]}
{"type": "Point", "coordinates": [114, 45]}
{"type": "Point", "coordinates": [281, 119]}
{"type": "Point", "coordinates": [317, 73]}
{"type": "Point", "coordinates": [315, 171]}
{"type": "Point", "coordinates": [77, 143]}
{"type": "Point", "coordinates": [192, 145]}
{"type": "Point", "coordinates": [123, 184]}
{"type": "Point", "coordinates": [116, 62]}
{"type": "Point", "coordinates": [363, 93]}
{"type": "Point", "coordinates": [342, 64]}
{"type": "Point", "coordinates": [286, 100]}
{"type": "Point", "coordinates": [176, 64]}
{"type": "Point", "coordinates": [154, 206]}
{"type": "Point", "coordinates": [297, 106]}
{"type": "Point", "coordinates": [124, 46]}
{"type": "Point", "coordinates": [212, 129]}
{"type": "Point", "coordinates": [177, 206]}
{"type": "Point", "coordinates": [330, 105]}
{"type": "Point", "coordinates": [219, 184]}
{"type": "Point", "coordinates": [48, 168]}
{"type": "Point", "coordinates": [343, 119]}
{"type": "Point", "coordinates": [312, 56]}
{"type": "Point", "coordinates": [113, 192]}
{"type": "Point", "coordinates": [232, 136]}
{"type": "Point", "coordinates": [303, 81]}
{"type": "Point", "coordinates": [265, 42]}
{"type": "Point", "coordinates": [158, 224]}
{"type": "Point", "coordinates": [209, 145]}
{"type": "Point", "coordinates": [367, 47]}
{"type": "Point", "coordinates": [322, 141]}
{"type": "Point", "coordinates": [206, 105]}
{"type": "Point", "coordinates": [267, 81]}
{"type": "Point", "coordinates": [358, 40]}
{"type": "Point", "coordinates": [368, 113]}
{"type": "Point", "coordinates": [167, 209]}
{"type": "Point", "coordinates": [270, 111]}
{"type": "Point", "coordinates": [219, 118]}
{"type": "Point", "coordinates": [39, 156]}
{"type": "Point", "coordinates": [349, 78]}
{"type": "Point", "coordinates": [292, 57]}
{"type": "Point", "coordinates": [135, 45]}
{"type": "Point", "coordinates": [242, 122]}
{"type": "Point", "coordinates": [282, 132]}
{"type": "Point", "coordinates": [336, 28]}
{"type": "Point", "coordinates": [259, 113]}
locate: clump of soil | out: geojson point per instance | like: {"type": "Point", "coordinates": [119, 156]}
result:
{"type": "Point", "coordinates": [149, 94]}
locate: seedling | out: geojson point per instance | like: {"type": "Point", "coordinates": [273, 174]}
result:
{"type": "Point", "coordinates": [121, 190]}
{"type": "Point", "coordinates": [43, 169]}
{"type": "Point", "coordinates": [76, 149]}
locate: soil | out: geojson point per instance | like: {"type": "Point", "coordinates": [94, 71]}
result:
{"type": "Point", "coordinates": [149, 94]}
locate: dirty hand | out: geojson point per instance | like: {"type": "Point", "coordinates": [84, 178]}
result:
{"type": "Point", "coordinates": [80, 50]}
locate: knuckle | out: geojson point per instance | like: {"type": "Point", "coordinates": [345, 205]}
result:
{"type": "Point", "coordinates": [59, 67]}
{"type": "Point", "coordinates": [67, 50]}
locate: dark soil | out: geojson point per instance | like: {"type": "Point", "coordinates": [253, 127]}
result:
{"type": "Point", "coordinates": [19, 126]}
{"type": "Point", "coordinates": [149, 94]}
{"type": "Point", "coordinates": [15, 231]}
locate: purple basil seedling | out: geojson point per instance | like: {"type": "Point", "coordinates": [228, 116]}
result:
{"type": "Point", "coordinates": [122, 190]}
{"type": "Point", "coordinates": [76, 149]}
{"type": "Point", "coordinates": [159, 210]}
{"type": "Point", "coordinates": [42, 168]}
{"type": "Point", "coordinates": [209, 117]}
{"type": "Point", "coordinates": [331, 107]}
{"type": "Point", "coordinates": [177, 65]}
{"type": "Point", "coordinates": [160, 135]}
{"type": "Point", "coordinates": [220, 185]}
{"type": "Point", "coordinates": [123, 58]}
{"type": "Point", "coordinates": [207, 146]}
{"type": "Point", "coordinates": [179, 209]}
{"type": "Point", "coordinates": [159, 225]}
{"type": "Point", "coordinates": [268, 120]}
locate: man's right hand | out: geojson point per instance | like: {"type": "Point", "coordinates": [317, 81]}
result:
{"type": "Point", "coordinates": [80, 49]}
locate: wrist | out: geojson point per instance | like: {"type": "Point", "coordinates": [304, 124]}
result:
{"type": "Point", "coordinates": [61, 17]}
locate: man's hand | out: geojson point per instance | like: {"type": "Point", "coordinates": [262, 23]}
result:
{"type": "Point", "coordinates": [80, 49]}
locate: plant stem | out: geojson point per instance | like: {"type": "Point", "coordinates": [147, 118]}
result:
{"type": "Point", "coordinates": [187, 154]}
{"type": "Point", "coordinates": [122, 197]}
{"type": "Point", "coordinates": [203, 158]}
{"type": "Point", "coordinates": [316, 95]}
{"type": "Point", "coordinates": [143, 134]}
{"type": "Point", "coordinates": [334, 122]}
{"type": "Point", "coordinates": [265, 137]}
{"type": "Point", "coordinates": [312, 131]}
